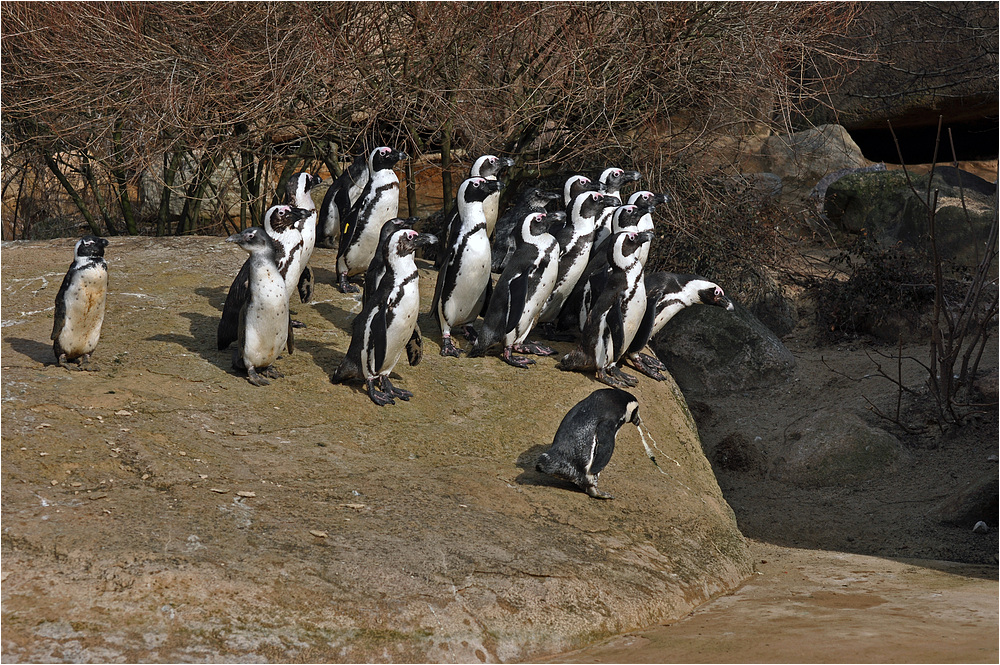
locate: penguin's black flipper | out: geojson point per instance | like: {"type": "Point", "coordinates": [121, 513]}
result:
{"type": "Point", "coordinates": [229, 325]}
{"type": "Point", "coordinates": [59, 318]}
{"type": "Point", "coordinates": [290, 344]}
{"type": "Point", "coordinates": [489, 296]}
{"type": "Point", "coordinates": [377, 335]}
{"type": "Point", "coordinates": [415, 347]}
{"type": "Point", "coordinates": [516, 298]}
{"type": "Point", "coordinates": [642, 333]}
{"type": "Point", "coordinates": [616, 325]}
{"type": "Point", "coordinates": [605, 436]}
{"type": "Point", "coordinates": [305, 284]}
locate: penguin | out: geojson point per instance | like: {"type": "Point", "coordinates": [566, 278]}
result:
{"type": "Point", "coordinates": [521, 290]}
{"type": "Point", "coordinates": [297, 192]}
{"type": "Point", "coordinates": [595, 276]}
{"type": "Point", "coordinates": [666, 295]}
{"type": "Point", "coordinates": [576, 185]}
{"type": "Point", "coordinates": [488, 167]}
{"type": "Point", "coordinates": [379, 202]}
{"type": "Point", "coordinates": [80, 304]}
{"type": "Point", "coordinates": [504, 242]}
{"type": "Point", "coordinates": [283, 224]}
{"type": "Point", "coordinates": [339, 199]}
{"type": "Point", "coordinates": [575, 240]}
{"type": "Point", "coordinates": [263, 317]}
{"type": "Point", "coordinates": [649, 200]}
{"type": "Point", "coordinates": [387, 321]}
{"type": "Point", "coordinates": [616, 315]}
{"type": "Point", "coordinates": [585, 440]}
{"type": "Point", "coordinates": [611, 180]}
{"type": "Point", "coordinates": [463, 283]}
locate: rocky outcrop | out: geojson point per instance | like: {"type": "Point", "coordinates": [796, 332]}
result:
{"type": "Point", "coordinates": [163, 509]}
{"type": "Point", "coordinates": [711, 351]}
{"type": "Point", "coordinates": [886, 207]}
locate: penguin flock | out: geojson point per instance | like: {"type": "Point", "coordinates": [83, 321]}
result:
{"type": "Point", "coordinates": [576, 273]}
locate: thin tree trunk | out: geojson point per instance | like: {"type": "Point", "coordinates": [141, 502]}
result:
{"type": "Point", "coordinates": [169, 173]}
{"type": "Point", "coordinates": [88, 173]}
{"type": "Point", "coordinates": [124, 201]}
{"type": "Point", "coordinates": [73, 194]}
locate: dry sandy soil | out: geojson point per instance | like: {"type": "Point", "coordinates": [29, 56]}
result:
{"type": "Point", "coordinates": [121, 484]}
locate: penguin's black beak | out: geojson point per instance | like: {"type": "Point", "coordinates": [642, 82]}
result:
{"type": "Point", "coordinates": [636, 420]}
{"type": "Point", "coordinates": [632, 176]}
{"type": "Point", "coordinates": [424, 239]}
{"type": "Point", "coordinates": [724, 302]}
{"type": "Point", "coordinates": [507, 162]}
{"type": "Point", "coordinates": [642, 237]}
{"type": "Point", "coordinates": [299, 213]}
{"type": "Point", "coordinates": [493, 186]}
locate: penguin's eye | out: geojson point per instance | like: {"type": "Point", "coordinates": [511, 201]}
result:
{"type": "Point", "coordinates": [718, 292]}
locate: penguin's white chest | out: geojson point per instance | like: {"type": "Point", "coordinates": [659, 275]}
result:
{"type": "Point", "coordinates": [400, 323]}
{"type": "Point", "coordinates": [383, 206]}
{"type": "Point", "coordinates": [472, 274]}
{"type": "Point", "coordinates": [264, 325]}
{"type": "Point", "coordinates": [635, 309]}
{"type": "Point", "coordinates": [85, 301]}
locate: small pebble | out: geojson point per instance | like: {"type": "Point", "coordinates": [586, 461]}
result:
{"type": "Point", "coordinates": [980, 527]}
{"type": "Point", "coordinates": [246, 494]}
{"type": "Point", "coordinates": [217, 490]}
{"type": "Point", "coordinates": [319, 534]}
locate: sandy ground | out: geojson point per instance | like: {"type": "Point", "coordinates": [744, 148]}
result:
{"type": "Point", "coordinates": [816, 606]}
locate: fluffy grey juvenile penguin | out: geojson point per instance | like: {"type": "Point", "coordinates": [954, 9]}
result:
{"type": "Point", "coordinates": [339, 199]}
{"type": "Point", "coordinates": [666, 295]}
{"type": "Point", "coordinates": [263, 318]}
{"type": "Point", "coordinates": [585, 439]}
{"type": "Point", "coordinates": [531, 200]}
{"type": "Point", "coordinates": [386, 323]}
{"type": "Point", "coordinates": [616, 315]}
{"type": "Point", "coordinates": [463, 282]}
{"type": "Point", "coordinates": [522, 289]}
{"type": "Point", "coordinates": [283, 224]}
{"type": "Point", "coordinates": [359, 231]}
{"type": "Point", "coordinates": [297, 194]}
{"type": "Point", "coordinates": [80, 304]}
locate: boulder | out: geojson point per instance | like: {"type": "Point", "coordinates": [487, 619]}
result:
{"type": "Point", "coordinates": [976, 501]}
{"type": "Point", "coordinates": [834, 447]}
{"type": "Point", "coordinates": [709, 350]}
{"type": "Point", "coordinates": [803, 158]}
{"type": "Point", "coordinates": [885, 205]}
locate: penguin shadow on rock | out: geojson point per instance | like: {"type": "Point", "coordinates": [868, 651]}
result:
{"type": "Point", "coordinates": [216, 295]}
{"type": "Point", "coordinates": [529, 475]}
{"type": "Point", "coordinates": [201, 340]}
{"type": "Point", "coordinates": [40, 352]}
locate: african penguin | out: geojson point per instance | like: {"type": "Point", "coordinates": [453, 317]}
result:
{"type": "Point", "coordinates": [613, 178]}
{"type": "Point", "coordinates": [379, 202]}
{"type": "Point", "coordinates": [531, 200]}
{"type": "Point", "coordinates": [521, 290]}
{"type": "Point", "coordinates": [263, 318]}
{"type": "Point", "coordinates": [490, 167]}
{"type": "Point", "coordinates": [283, 224]}
{"type": "Point", "coordinates": [339, 199]}
{"type": "Point", "coordinates": [576, 185]}
{"type": "Point", "coordinates": [666, 295]}
{"type": "Point", "coordinates": [80, 304]}
{"type": "Point", "coordinates": [297, 192]}
{"type": "Point", "coordinates": [386, 323]}
{"type": "Point", "coordinates": [649, 200]}
{"type": "Point", "coordinates": [463, 283]}
{"type": "Point", "coordinates": [616, 316]}
{"type": "Point", "coordinates": [575, 240]}
{"type": "Point", "coordinates": [585, 440]}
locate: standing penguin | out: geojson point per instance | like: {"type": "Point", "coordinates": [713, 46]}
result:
{"type": "Point", "coordinates": [339, 199]}
{"type": "Point", "coordinates": [649, 201]}
{"type": "Point", "coordinates": [463, 283]}
{"type": "Point", "coordinates": [523, 287]}
{"type": "Point", "coordinates": [585, 439]}
{"type": "Point", "coordinates": [611, 180]}
{"type": "Point", "coordinates": [504, 238]}
{"type": "Point", "coordinates": [576, 185]}
{"type": "Point", "coordinates": [575, 240]}
{"type": "Point", "coordinates": [80, 304]}
{"type": "Point", "coordinates": [487, 167]}
{"type": "Point", "coordinates": [387, 321]}
{"type": "Point", "coordinates": [616, 315]}
{"type": "Point", "coordinates": [666, 295]}
{"type": "Point", "coordinates": [297, 193]}
{"type": "Point", "coordinates": [379, 202]}
{"type": "Point", "coordinates": [283, 224]}
{"type": "Point", "coordinates": [263, 318]}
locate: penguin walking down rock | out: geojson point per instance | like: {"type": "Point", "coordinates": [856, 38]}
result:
{"type": "Point", "coordinates": [339, 199]}
{"type": "Point", "coordinates": [359, 231]}
{"type": "Point", "coordinates": [523, 287]}
{"type": "Point", "coordinates": [299, 274]}
{"type": "Point", "coordinates": [616, 316]}
{"type": "Point", "coordinates": [504, 238]}
{"type": "Point", "coordinates": [585, 439]}
{"type": "Point", "coordinates": [283, 224]}
{"type": "Point", "coordinates": [387, 321]}
{"type": "Point", "coordinates": [666, 295]}
{"type": "Point", "coordinates": [463, 283]}
{"type": "Point", "coordinates": [263, 318]}
{"type": "Point", "coordinates": [80, 304]}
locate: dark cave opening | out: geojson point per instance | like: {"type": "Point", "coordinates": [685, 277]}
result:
{"type": "Point", "coordinates": [974, 141]}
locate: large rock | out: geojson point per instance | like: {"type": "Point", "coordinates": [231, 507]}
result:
{"type": "Point", "coordinates": [803, 158]}
{"type": "Point", "coordinates": [163, 509]}
{"type": "Point", "coordinates": [711, 351]}
{"type": "Point", "coordinates": [835, 447]}
{"type": "Point", "coordinates": [884, 205]}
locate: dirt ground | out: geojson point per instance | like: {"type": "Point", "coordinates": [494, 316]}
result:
{"type": "Point", "coordinates": [157, 444]}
